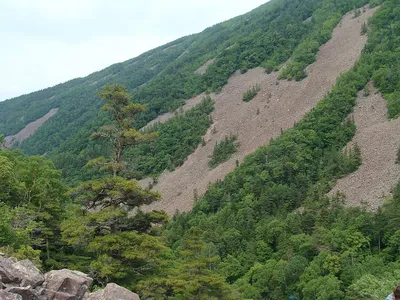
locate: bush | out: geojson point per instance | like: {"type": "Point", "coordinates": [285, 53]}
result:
{"type": "Point", "coordinates": [223, 150]}
{"type": "Point", "coordinates": [251, 92]}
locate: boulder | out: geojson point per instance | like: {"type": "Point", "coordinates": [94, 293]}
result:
{"type": "Point", "coordinates": [66, 284]}
{"type": "Point", "coordinates": [8, 273]}
{"type": "Point", "coordinates": [8, 296]}
{"type": "Point", "coordinates": [27, 293]}
{"type": "Point", "coordinates": [113, 292]}
{"type": "Point", "coordinates": [30, 274]}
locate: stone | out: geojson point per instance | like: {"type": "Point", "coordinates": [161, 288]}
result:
{"type": "Point", "coordinates": [26, 292]}
{"type": "Point", "coordinates": [113, 292]}
{"type": "Point", "coordinates": [8, 273]}
{"type": "Point", "coordinates": [30, 274]}
{"type": "Point", "coordinates": [66, 284]}
{"type": "Point", "coordinates": [8, 296]}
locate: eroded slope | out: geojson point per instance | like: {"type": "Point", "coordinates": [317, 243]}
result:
{"type": "Point", "coordinates": [29, 129]}
{"type": "Point", "coordinates": [277, 107]}
{"type": "Point", "coordinates": [379, 140]}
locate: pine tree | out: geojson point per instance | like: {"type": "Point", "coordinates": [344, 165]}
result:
{"type": "Point", "coordinates": [122, 246]}
{"type": "Point", "coordinates": [120, 134]}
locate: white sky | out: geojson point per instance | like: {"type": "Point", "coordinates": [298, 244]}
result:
{"type": "Point", "coordinates": [45, 42]}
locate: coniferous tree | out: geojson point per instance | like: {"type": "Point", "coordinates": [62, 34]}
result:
{"type": "Point", "coordinates": [121, 246]}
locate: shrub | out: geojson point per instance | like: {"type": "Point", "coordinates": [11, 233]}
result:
{"type": "Point", "coordinates": [223, 150]}
{"type": "Point", "coordinates": [251, 92]}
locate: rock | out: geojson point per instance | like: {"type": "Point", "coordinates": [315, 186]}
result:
{"type": "Point", "coordinates": [66, 284]}
{"type": "Point", "coordinates": [113, 292]}
{"type": "Point", "coordinates": [8, 296]}
{"type": "Point", "coordinates": [8, 273]}
{"type": "Point", "coordinates": [26, 293]}
{"type": "Point", "coordinates": [21, 280]}
{"type": "Point", "coordinates": [30, 274]}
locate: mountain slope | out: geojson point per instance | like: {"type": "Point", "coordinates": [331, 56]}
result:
{"type": "Point", "coordinates": [278, 106]}
{"type": "Point", "coordinates": [269, 229]}
{"type": "Point", "coordinates": [379, 141]}
{"type": "Point", "coordinates": [166, 76]}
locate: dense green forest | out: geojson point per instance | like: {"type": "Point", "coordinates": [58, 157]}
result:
{"type": "Point", "coordinates": [267, 231]}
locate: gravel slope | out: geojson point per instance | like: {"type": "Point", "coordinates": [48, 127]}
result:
{"type": "Point", "coordinates": [277, 107]}
{"type": "Point", "coordinates": [29, 129]}
{"type": "Point", "coordinates": [379, 141]}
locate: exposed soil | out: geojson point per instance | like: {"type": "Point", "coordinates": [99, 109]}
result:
{"type": "Point", "coordinates": [202, 70]}
{"type": "Point", "coordinates": [277, 107]}
{"type": "Point", "coordinates": [379, 141]}
{"type": "Point", "coordinates": [29, 129]}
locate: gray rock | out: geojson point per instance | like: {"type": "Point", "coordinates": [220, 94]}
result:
{"type": "Point", "coordinates": [30, 274]}
{"type": "Point", "coordinates": [113, 292]}
{"type": "Point", "coordinates": [26, 293]}
{"type": "Point", "coordinates": [66, 284]}
{"type": "Point", "coordinates": [8, 273]}
{"type": "Point", "coordinates": [8, 296]}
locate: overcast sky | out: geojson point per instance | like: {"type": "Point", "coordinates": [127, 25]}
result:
{"type": "Point", "coordinates": [45, 42]}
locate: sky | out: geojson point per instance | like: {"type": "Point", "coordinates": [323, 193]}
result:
{"type": "Point", "coordinates": [46, 42]}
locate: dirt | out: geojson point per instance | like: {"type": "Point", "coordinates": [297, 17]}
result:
{"type": "Point", "coordinates": [29, 129]}
{"type": "Point", "coordinates": [277, 107]}
{"type": "Point", "coordinates": [379, 141]}
{"type": "Point", "coordinates": [203, 69]}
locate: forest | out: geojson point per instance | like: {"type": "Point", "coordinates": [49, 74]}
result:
{"type": "Point", "coordinates": [267, 231]}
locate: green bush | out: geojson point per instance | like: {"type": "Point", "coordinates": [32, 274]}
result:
{"type": "Point", "coordinates": [223, 150]}
{"type": "Point", "coordinates": [251, 92]}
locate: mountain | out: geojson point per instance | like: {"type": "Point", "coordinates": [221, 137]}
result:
{"type": "Point", "coordinates": [276, 162]}
{"type": "Point", "coordinates": [166, 76]}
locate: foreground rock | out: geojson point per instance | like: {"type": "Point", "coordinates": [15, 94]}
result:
{"type": "Point", "coordinates": [113, 291]}
{"type": "Point", "coordinates": [60, 283]}
{"type": "Point", "coordinates": [21, 280]}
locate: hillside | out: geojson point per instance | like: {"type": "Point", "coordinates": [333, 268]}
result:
{"type": "Point", "coordinates": [277, 107]}
{"type": "Point", "coordinates": [379, 142]}
{"type": "Point", "coordinates": [165, 77]}
{"type": "Point", "coordinates": [266, 165]}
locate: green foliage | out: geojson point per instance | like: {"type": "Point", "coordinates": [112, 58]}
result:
{"type": "Point", "coordinates": [324, 288]}
{"type": "Point", "coordinates": [31, 200]}
{"type": "Point", "coordinates": [223, 150]}
{"type": "Point", "coordinates": [373, 287]}
{"type": "Point", "coordinates": [192, 276]}
{"type": "Point", "coordinates": [364, 28]}
{"type": "Point", "coordinates": [367, 91]}
{"type": "Point", "coordinates": [251, 93]}
{"type": "Point", "coordinates": [113, 192]}
{"type": "Point", "coordinates": [6, 232]}
{"type": "Point", "coordinates": [122, 247]}
{"type": "Point", "coordinates": [119, 134]}
{"type": "Point", "coordinates": [384, 58]}
{"type": "Point", "coordinates": [177, 138]}
{"type": "Point", "coordinates": [301, 58]}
